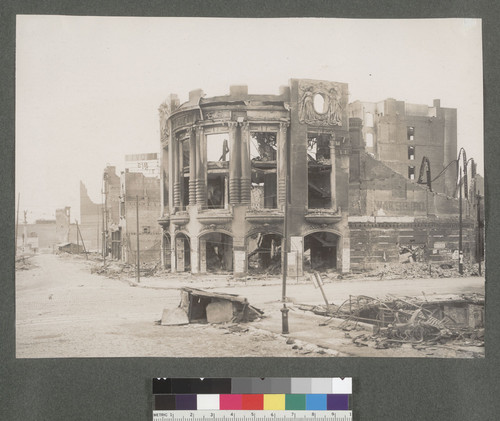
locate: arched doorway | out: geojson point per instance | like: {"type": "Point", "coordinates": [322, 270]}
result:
{"type": "Point", "coordinates": [320, 251]}
{"type": "Point", "coordinates": [216, 252]}
{"type": "Point", "coordinates": [264, 253]}
{"type": "Point", "coordinates": [182, 253]}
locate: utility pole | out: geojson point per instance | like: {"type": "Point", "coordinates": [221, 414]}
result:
{"type": "Point", "coordinates": [17, 218]}
{"type": "Point", "coordinates": [479, 246]}
{"type": "Point", "coordinates": [79, 233]}
{"type": "Point", "coordinates": [138, 258]}
{"type": "Point", "coordinates": [105, 218]}
{"type": "Point", "coordinates": [460, 251]}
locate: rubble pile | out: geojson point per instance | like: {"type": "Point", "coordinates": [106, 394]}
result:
{"type": "Point", "coordinates": [114, 269]}
{"type": "Point", "coordinates": [24, 263]}
{"type": "Point", "coordinates": [422, 270]}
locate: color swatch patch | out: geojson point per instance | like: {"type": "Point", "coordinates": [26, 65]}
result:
{"type": "Point", "coordinates": [252, 394]}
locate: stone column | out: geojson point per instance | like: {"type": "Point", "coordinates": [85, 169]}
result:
{"type": "Point", "coordinates": [173, 260]}
{"type": "Point", "coordinates": [195, 261]}
{"type": "Point", "coordinates": [176, 171]}
{"type": "Point", "coordinates": [201, 167]}
{"type": "Point", "coordinates": [202, 253]}
{"type": "Point", "coordinates": [182, 179]}
{"type": "Point", "coordinates": [192, 166]}
{"type": "Point", "coordinates": [282, 163]}
{"type": "Point", "coordinates": [246, 166]}
{"type": "Point", "coordinates": [234, 163]}
{"type": "Point", "coordinates": [346, 254]}
{"type": "Point", "coordinates": [333, 184]}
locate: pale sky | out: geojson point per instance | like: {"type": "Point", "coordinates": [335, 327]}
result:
{"type": "Point", "coordinates": [88, 88]}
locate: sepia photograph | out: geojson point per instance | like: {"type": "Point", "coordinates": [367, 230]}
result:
{"type": "Point", "coordinates": [222, 187]}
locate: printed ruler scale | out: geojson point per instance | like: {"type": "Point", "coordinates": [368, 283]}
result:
{"type": "Point", "coordinates": [252, 415]}
{"type": "Point", "coordinates": [252, 399]}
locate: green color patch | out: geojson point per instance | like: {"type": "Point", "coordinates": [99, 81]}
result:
{"type": "Point", "coordinates": [295, 402]}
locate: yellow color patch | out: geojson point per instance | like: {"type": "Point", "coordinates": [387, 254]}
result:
{"type": "Point", "coordinates": [274, 402]}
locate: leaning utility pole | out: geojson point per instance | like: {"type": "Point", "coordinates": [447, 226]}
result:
{"type": "Point", "coordinates": [138, 258]}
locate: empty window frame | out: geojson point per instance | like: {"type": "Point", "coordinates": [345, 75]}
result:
{"type": "Point", "coordinates": [217, 188]}
{"type": "Point", "coordinates": [263, 155]}
{"type": "Point", "coordinates": [411, 172]}
{"type": "Point", "coordinates": [369, 140]}
{"type": "Point", "coordinates": [318, 147]}
{"type": "Point", "coordinates": [263, 146]}
{"type": "Point", "coordinates": [410, 130]}
{"type": "Point", "coordinates": [368, 120]}
{"type": "Point", "coordinates": [319, 170]}
{"type": "Point", "coordinates": [217, 147]}
{"type": "Point", "coordinates": [411, 153]}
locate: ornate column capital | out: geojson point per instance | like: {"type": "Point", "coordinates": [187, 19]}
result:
{"type": "Point", "coordinates": [231, 124]}
{"type": "Point", "coordinates": [284, 125]}
{"type": "Point", "coordinates": [245, 125]}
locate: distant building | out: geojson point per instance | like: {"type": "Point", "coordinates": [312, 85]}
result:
{"type": "Point", "coordinates": [400, 134]}
{"type": "Point", "coordinates": [99, 219]}
{"type": "Point", "coordinates": [137, 187]}
{"type": "Point", "coordinates": [40, 236]}
{"type": "Point", "coordinates": [144, 163]}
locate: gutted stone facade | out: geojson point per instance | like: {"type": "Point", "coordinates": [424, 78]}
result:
{"type": "Point", "coordinates": [401, 134]}
{"type": "Point", "coordinates": [232, 165]}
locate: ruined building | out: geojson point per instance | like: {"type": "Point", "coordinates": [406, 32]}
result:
{"type": "Point", "coordinates": [400, 135]}
{"type": "Point", "coordinates": [232, 165]}
{"type": "Point", "coordinates": [144, 192]}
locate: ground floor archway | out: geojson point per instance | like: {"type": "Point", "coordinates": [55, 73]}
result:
{"type": "Point", "coordinates": [320, 251]}
{"type": "Point", "coordinates": [182, 253]}
{"type": "Point", "coordinates": [216, 252]}
{"type": "Point", "coordinates": [264, 253]}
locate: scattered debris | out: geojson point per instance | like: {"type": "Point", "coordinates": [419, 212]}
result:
{"type": "Point", "coordinates": [422, 323]}
{"type": "Point", "coordinates": [23, 262]}
{"type": "Point", "coordinates": [409, 268]}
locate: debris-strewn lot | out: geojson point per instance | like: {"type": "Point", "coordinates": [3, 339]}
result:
{"type": "Point", "coordinates": [455, 322]}
{"type": "Point", "coordinates": [68, 306]}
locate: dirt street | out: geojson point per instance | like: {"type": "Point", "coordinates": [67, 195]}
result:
{"type": "Point", "coordinates": [62, 310]}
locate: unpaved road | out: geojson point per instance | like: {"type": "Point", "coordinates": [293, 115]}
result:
{"type": "Point", "coordinates": [62, 310]}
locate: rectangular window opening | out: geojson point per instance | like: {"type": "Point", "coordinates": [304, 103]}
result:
{"type": "Point", "coordinates": [411, 153]}
{"type": "Point", "coordinates": [218, 147]}
{"type": "Point", "coordinates": [411, 172]}
{"type": "Point", "coordinates": [319, 170]}
{"type": "Point", "coordinates": [411, 132]}
{"type": "Point", "coordinates": [263, 146]}
{"type": "Point", "coordinates": [217, 191]}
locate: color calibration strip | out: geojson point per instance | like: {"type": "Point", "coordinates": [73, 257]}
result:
{"type": "Point", "coordinates": [268, 394]}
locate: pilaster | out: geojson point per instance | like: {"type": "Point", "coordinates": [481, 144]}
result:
{"type": "Point", "coordinates": [234, 163]}
{"type": "Point", "coordinates": [282, 163]}
{"type": "Point", "coordinates": [201, 167]}
{"type": "Point", "coordinates": [176, 172]}
{"type": "Point", "coordinates": [192, 166]}
{"type": "Point", "coordinates": [333, 178]}
{"type": "Point", "coordinates": [246, 169]}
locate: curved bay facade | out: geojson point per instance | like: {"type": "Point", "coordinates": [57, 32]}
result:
{"type": "Point", "coordinates": [231, 162]}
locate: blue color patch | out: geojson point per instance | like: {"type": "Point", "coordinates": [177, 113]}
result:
{"type": "Point", "coordinates": [316, 402]}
